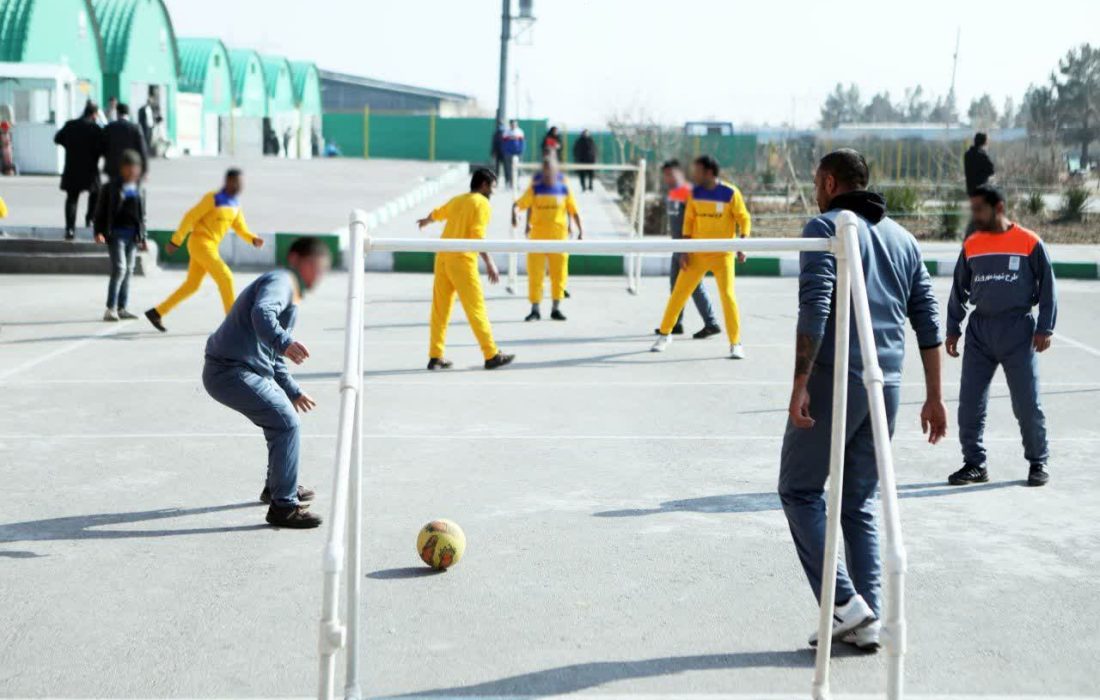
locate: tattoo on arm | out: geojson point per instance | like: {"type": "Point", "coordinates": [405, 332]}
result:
{"type": "Point", "coordinates": [805, 351]}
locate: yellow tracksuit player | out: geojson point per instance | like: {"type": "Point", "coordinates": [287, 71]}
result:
{"type": "Point", "coordinates": [550, 206]}
{"type": "Point", "coordinates": [207, 223]}
{"type": "Point", "coordinates": [467, 216]}
{"type": "Point", "coordinates": [715, 209]}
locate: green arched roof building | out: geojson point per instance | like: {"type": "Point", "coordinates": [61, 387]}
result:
{"type": "Point", "coordinates": [204, 69]}
{"type": "Point", "coordinates": [139, 50]}
{"type": "Point", "coordinates": [56, 32]}
{"type": "Point", "coordinates": [280, 89]}
{"type": "Point", "coordinates": [249, 86]}
{"type": "Point", "coordinates": [307, 87]}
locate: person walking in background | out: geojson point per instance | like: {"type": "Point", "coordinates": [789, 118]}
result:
{"type": "Point", "coordinates": [245, 370]}
{"type": "Point", "coordinates": [119, 136]}
{"type": "Point", "coordinates": [82, 140]}
{"type": "Point", "coordinates": [286, 141]}
{"type": "Point", "coordinates": [111, 113]}
{"type": "Point", "coordinates": [1002, 272]}
{"type": "Point", "coordinates": [977, 165]}
{"type": "Point", "coordinates": [467, 216]}
{"type": "Point", "coordinates": [496, 148]}
{"type": "Point", "coordinates": [715, 209]}
{"type": "Point", "coordinates": [900, 289]}
{"type": "Point", "coordinates": [552, 143]}
{"type": "Point", "coordinates": [585, 153]}
{"type": "Point", "coordinates": [514, 142]}
{"type": "Point", "coordinates": [551, 207]}
{"type": "Point", "coordinates": [120, 223]}
{"type": "Point", "coordinates": [676, 199]}
{"type": "Point", "coordinates": [204, 227]}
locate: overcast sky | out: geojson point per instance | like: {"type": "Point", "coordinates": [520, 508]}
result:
{"type": "Point", "coordinates": [745, 62]}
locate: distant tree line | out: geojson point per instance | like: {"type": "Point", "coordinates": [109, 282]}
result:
{"type": "Point", "coordinates": [1064, 109]}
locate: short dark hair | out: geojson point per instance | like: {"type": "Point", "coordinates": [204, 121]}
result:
{"type": "Point", "coordinates": [708, 163]}
{"type": "Point", "coordinates": [233, 172]}
{"type": "Point", "coordinates": [308, 247]}
{"type": "Point", "coordinates": [989, 193]}
{"type": "Point", "coordinates": [981, 138]}
{"type": "Point", "coordinates": [130, 157]}
{"type": "Point", "coordinates": [481, 176]}
{"type": "Point", "coordinates": [123, 109]}
{"type": "Point", "coordinates": [848, 166]}
{"type": "Point", "coordinates": [90, 108]}
{"type": "Point", "coordinates": [672, 164]}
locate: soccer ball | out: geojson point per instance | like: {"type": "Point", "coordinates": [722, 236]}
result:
{"type": "Point", "coordinates": [441, 544]}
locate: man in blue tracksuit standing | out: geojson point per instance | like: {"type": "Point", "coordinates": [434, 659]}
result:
{"type": "Point", "coordinates": [1002, 272]}
{"type": "Point", "coordinates": [245, 370]}
{"type": "Point", "coordinates": [899, 289]}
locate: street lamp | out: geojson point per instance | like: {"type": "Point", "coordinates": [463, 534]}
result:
{"type": "Point", "coordinates": [523, 20]}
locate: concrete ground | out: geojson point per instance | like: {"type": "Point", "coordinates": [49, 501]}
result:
{"type": "Point", "coordinates": [624, 533]}
{"type": "Point", "coordinates": [280, 194]}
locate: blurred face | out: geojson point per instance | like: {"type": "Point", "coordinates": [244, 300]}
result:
{"type": "Point", "coordinates": [984, 215]}
{"type": "Point", "coordinates": [825, 188]}
{"type": "Point", "coordinates": [234, 185]}
{"type": "Point", "coordinates": [130, 172]}
{"type": "Point", "coordinates": [702, 176]}
{"type": "Point", "coordinates": [312, 268]}
{"type": "Point", "coordinates": [671, 177]}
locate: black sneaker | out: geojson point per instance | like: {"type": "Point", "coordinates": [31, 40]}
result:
{"type": "Point", "coordinates": [707, 332]}
{"type": "Point", "coordinates": [154, 318]}
{"type": "Point", "coordinates": [969, 474]}
{"type": "Point", "coordinates": [70, 234]}
{"type": "Point", "coordinates": [535, 315]}
{"type": "Point", "coordinates": [678, 329]}
{"type": "Point", "coordinates": [557, 315]}
{"type": "Point", "coordinates": [1038, 475]}
{"type": "Point", "coordinates": [499, 360]}
{"type": "Point", "coordinates": [295, 517]}
{"type": "Point", "coordinates": [304, 495]}
{"type": "Point", "coordinates": [439, 363]}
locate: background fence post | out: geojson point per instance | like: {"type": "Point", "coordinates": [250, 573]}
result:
{"type": "Point", "coordinates": [366, 132]}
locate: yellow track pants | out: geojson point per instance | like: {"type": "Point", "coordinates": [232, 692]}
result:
{"type": "Point", "coordinates": [536, 272]}
{"type": "Point", "coordinates": [457, 273]}
{"type": "Point", "coordinates": [205, 260]}
{"type": "Point", "coordinates": [699, 264]}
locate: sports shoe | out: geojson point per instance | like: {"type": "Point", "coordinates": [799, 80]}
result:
{"type": "Point", "coordinates": [969, 474]}
{"type": "Point", "coordinates": [737, 352]}
{"type": "Point", "coordinates": [499, 360]}
{"type": "Point", "coordinates": [865, 638]}
{"type": "Point", "coordinates": [70, 234]}
{"type": "Point", "coordinates": [849, 617]}
{"type": "Point", "coordinates": [126, 315]}
{"type": "Point", "coordinates": [678, 329]}
{"type": "Point", "coordinates": [706, 332]}
{"type": "Point", "coordinates": [110, 315]}
{"type": "Point", "coordinates": [439, 363]}
{"type": "Point", "coordinates": [304, 495]}
{"type": "Point", "coordinates": [295, 517]}
{"type": "Point", "coordinates": [154, 318]}
{"type": "Point", "coordinates": [1038, 475]}
{"type": "Point", "coordinates": [557, 315]}
{"type": "Point", "coordinates": [535, 315]}
{"type": "Point", "coordinates": [663, 341]}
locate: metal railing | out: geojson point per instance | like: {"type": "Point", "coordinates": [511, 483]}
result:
{"type": "Point", "coordinates": [344, 543]}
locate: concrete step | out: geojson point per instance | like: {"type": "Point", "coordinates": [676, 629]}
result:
{"type": "Point", "coordinates": [59, 257]}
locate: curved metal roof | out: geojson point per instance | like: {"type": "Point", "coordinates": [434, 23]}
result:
{"type": "Point", "coordinates": [115, 19]}
{"type": "Point", "coordinates": [272, 66]}
{"type": "Point", "coordinates": [194, 56]}
{"type": "Point", "coordinates": [299, 72]}
{"type": "Point", "coordinates": [15, 20]}
{"type": "Point", "coordinates": [239, 60]}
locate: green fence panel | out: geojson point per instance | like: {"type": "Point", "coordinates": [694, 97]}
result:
{"type": "Point", "coordinates": [413, 262]}
{"type": "Point", "coordinates": [180, 257]}
{"type": "Point", "coordinates": [345, 129]}
{"type": "Point", "coordinates": [1076, 270]}
{"type": "Point", "coordinates": [405, 136]}
{"type": "Point", "coordinates": [762, 267]}
{"type": "Point", "coordinates": [595, 264]}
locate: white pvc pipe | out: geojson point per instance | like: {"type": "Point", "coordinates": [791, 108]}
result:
{"type": "Point", "coordinates": [513, 259]}
{"type": "Point", "coordinates": [668, 245]}
{"type": "Point", "coordinates": [893, 627]}
{"type": "Point", "coordinates": [352, 685]}
{"type": "Point", "coordinates": [820, 689]}
{"type": "Point", "coordinates": [640, 185]}
{"type": "Point", "coordinates": [332, 632]}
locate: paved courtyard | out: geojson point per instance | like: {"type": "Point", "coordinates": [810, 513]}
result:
{"type": "Point", "coordinates": [624, 534]}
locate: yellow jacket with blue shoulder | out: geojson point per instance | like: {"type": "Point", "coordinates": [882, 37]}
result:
{"type": "Point", "coordinates": [719, 212]}
{"type": "Point", "coordinates": [212, 218]}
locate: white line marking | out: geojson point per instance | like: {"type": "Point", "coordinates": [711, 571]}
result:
{"type": "Point", "coordinates": [57, 352]}
{"type": "Point", "coordinates": [1058, 335]}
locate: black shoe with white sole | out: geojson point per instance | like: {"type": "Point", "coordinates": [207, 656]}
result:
{"type": "Point", "coordinates": [969, 474]}
{"type": "Point", "coordinates": [1038, 475]}
{"type": "Point", "coordinates": [499, 360]}
{"type": "Point", "coordinates": [439, 363]}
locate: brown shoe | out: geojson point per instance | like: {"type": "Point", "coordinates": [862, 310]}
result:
{"type": "Point", "coordinates": [304, 495]}
{"type": "Point", "coordinates": [294, 517]}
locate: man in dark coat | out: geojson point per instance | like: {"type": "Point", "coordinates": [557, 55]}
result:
{"type": "Point", "coordinates": [82, 140]}
{"type": "Point", "coordinates": [119, 136]}
{"type": "Point", "coordinates": [584, 152]}
{"type": "Point", "coordinates": [977, 165]}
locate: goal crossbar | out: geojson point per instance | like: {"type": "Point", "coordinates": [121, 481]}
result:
{"type": "Point", "coordinates": [343, 546]}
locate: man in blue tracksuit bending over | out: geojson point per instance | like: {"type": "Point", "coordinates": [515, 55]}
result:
{"type": "Point", "coordinates": [899, 289]}
{"type": "Point", "coordinates": [1002, 272]}
{"type": "Point", "coordinates": [245, 370]}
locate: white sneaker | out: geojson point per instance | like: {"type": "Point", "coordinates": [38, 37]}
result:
{"type": "Point", "coordinates": [126, 315]}
{"type": "Point", "coordinates": [853, 615]}
{"type": "Point", "coordinates": [110, 315]}
{"type": "Point", "coordinates": [663, 341]}
{"type": "Point", "coordinates": [865, 638]}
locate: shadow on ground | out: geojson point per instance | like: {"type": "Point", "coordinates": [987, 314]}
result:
{"type": "Point", "coordinates": [759, 502]}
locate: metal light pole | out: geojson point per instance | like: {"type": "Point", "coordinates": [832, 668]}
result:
{"type": "Point", "coordinates": [526, 18]}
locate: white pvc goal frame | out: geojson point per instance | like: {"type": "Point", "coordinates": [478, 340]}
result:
{"type": "Point", "coordinates": [632, 263]}
{"type": "Point", "coordinates": [344, 544]}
